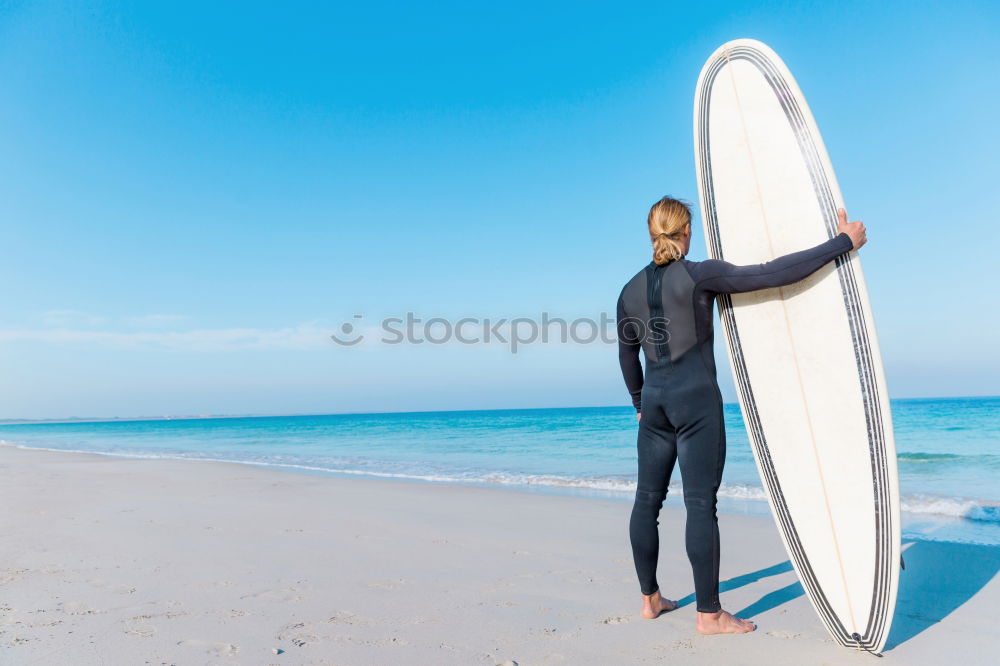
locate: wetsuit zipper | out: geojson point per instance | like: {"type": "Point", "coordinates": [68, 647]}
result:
{"type": "Point", "coordinates": [655, 300]}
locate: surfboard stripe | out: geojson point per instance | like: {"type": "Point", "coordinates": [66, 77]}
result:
{"type": "Point", "coordinates": [869, 385]}
{"type": "Point", "coordinates": [859, 329]}
{"type": "Point", "coordinates": [770, 478]}
{"type": "Point", "coordinates": [874, 633]}
{"type": "Point", "coordinates": [760, 443]}
{"type": "Point", "coordinates": [782, 98]}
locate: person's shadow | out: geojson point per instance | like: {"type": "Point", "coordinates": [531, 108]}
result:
{"type": "Point", "coordinates": [768, 601]}
{"type": "Point", "coordinates": [939, 578]}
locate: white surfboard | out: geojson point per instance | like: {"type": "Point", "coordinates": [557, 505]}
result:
{"type": "Point", "coordinates": [804, 357]}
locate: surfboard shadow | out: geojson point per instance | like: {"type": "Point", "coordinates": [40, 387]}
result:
{"type": "Point", "coordinates": [939, 578]}
{"type": "Point", "coordinates": [745, 579]}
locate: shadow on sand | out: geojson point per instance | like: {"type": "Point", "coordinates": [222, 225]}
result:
{"type": "Point", "coordinates": [745, 579]}
{"type": "Point", "coordinates": [938, 579]}
{"type": "Point", "coordinates": [772, 599]}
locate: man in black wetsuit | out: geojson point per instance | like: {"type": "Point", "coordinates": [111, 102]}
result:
{"type": "Point", "coordinates": [666, 310]}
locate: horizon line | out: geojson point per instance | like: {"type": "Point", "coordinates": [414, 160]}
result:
{"type": "Point", "coordinates": [208, 417]}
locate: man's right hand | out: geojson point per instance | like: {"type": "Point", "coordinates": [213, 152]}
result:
{"type": "Point", "coordinates": [856, 230]}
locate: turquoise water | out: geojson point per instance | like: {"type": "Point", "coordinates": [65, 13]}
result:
{"type": "Point", "coordinates": [948, 455]}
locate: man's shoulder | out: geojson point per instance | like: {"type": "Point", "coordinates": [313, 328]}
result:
{"type": "Point", "coordinates": [637, 280]}
{"type": "Point", "coordinates": [704, 269]}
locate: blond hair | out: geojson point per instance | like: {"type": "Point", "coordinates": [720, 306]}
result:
{"type": "Point", "coordinates": [667, 219]}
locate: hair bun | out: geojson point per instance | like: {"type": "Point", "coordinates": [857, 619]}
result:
{"type": "Point", "coordinates": [668, 219]}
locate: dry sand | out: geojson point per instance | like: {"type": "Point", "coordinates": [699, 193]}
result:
{"type": "Point", "coordinates": [125, 561]}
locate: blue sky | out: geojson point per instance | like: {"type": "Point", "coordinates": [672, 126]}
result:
{"type": "Point", "coordinates": [194, 195]}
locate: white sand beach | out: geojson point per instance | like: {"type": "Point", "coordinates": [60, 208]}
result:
{"type": "Point", "coordinates": [128, 561]}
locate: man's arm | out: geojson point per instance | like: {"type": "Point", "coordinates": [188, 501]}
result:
{"type": "Point", "coordinates": [725, 278]}
{"type": "Point", "coordinates": [628, 355]}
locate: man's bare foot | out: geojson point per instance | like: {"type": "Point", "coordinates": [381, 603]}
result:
{"type": "Point", "coordinates": [722, 623]}
{"type": "Point", "coordinates": [653, 605]}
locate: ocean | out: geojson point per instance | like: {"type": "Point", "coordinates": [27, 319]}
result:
{"type": "Point", "coordinates": [949, 462]}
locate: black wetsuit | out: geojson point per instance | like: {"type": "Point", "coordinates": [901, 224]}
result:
{"type": "Point", "coordinates": [667, 311]}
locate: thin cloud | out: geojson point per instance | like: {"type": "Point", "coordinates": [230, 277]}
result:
{"type": "Point", "coordinates": [70, 318]}
{"type": "Point", "coordinates": [155, 334]}
{"type": "Point", "coordinates": [156, 320]}
{"type": "Point", "coordinates": [303, 337]}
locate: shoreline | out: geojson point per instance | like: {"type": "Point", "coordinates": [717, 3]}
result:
{"type": "Point", "coordinates": [943, 513]}
{"type": "Point", "coordinates": [123, 560]}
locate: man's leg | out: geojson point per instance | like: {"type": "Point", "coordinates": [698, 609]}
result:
{"type": "Point", "coordinates": [701, 446]}
{"type": "Point", "coordinates": [657, 451]}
